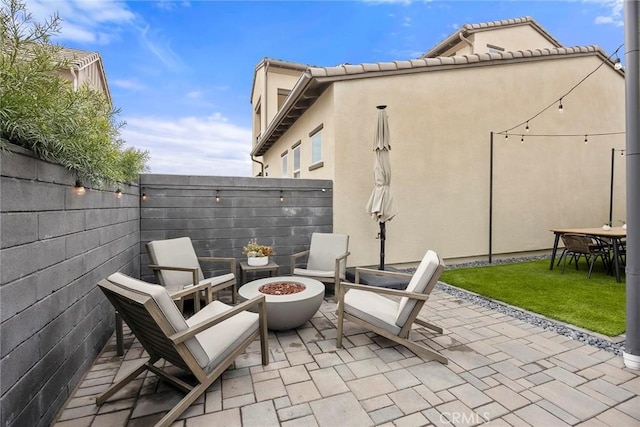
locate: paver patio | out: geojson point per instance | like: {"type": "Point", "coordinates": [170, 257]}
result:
{"type": "Point", "coordinates": [502, 371]}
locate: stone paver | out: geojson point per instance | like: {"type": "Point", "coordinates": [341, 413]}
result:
{"type": "Point", "coordinates": [502, 371]}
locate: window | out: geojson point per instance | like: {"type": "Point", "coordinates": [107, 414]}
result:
{"type": "Point", "coordinates": [296, 160]}
{"type": "Point", "coordinates": [316, 145]}
{"type": "Point", "coordinates": [257, 122]}
{"type": "Point", "coordinates": [284, 164]}
{"type": "Point", "coordinates": [282, 95]}
{"type": "Point", "coordinates": [494, 49]}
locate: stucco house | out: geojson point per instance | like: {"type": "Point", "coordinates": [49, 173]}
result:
{"type": "Point", "coordinates": [458, 179]}
{"type": "Point", "coordinates": [85, 68]}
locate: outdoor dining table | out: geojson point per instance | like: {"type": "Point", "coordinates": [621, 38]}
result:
{"type": "Point", "coordinates": [616, 234]}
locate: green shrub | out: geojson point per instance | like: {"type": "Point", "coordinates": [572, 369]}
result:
{"type": "Point", "coordinates": [41, 111]}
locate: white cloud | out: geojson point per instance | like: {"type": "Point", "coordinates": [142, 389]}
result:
{"type": "Point", "coordinates": [615, 14]}
{"type": "Point", "coordinates": [191, 145]}
{"type": "Point", "coordinates": [131, 84]}
{"type": "Point", "coordinates": [160, 49]}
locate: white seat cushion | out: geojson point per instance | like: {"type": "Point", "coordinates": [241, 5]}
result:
{"type": "Point", "coordinates": [213, 281]}
{"type": "Point", "coordinates": [220, 340]}
{"type": "Point", "coordinates": [418, 284]}
{"type": "Point", "coordinates": [174, 253]}
{"type": "Point", "coordinates": [372, 308]}
{"type": "Point", "coordinates": [313, 273]}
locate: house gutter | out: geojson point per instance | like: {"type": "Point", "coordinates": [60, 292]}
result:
{"type": "Point", "coordinates": [75, 78]}
{"type": "Point", "coordinates": [466, 40]}
{"type": "Point", "coordinates": [260, 163]}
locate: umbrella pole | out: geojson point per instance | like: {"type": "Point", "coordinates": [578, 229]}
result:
{"type": "Point", "coordinates": [383, 237]}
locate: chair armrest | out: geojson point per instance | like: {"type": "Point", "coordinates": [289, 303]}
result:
{"type": "Point", "coordinates": [385, 291]}
{"type": "Point", "coordinates": [194, 271]}
{"type": "Point", "coordinates": [196, 329]}
{"type": "Point", "coordinates": [231, 261]}
{"type": "Point", "coordinates": [189, 290]}
{"type": "Point", "coordinates": [336, 268]}
{"type": "Point", "coordinates": [295, 257]}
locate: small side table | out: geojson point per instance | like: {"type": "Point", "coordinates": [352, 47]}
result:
{"type": "Point", "coordinates": [245, 268]}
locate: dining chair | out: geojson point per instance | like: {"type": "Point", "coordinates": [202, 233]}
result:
{"type": "Point", "coordinates": [591, 247]}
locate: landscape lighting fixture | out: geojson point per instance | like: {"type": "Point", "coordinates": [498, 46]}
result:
{"type": "Point", "coordinates": [79, 189]}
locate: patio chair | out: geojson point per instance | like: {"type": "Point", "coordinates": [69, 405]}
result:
{"type": "Point", "coordinates": [177, 267]}
{"type": "Point", "coordinates": [326, 259]}
{"type": "Point", "coordinates": [368, 307]}
{"type": "Point", "coordinates": [204, 345]}
{"type": "Point", "coordinates": [591, 247]}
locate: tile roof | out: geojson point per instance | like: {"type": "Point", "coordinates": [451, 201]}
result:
{"type": "Point", "coordinates": [314, 80]}
{"type": "Point", "coordinates": [468, 29]}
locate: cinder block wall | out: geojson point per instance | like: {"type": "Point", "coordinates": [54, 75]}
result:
{"type": "Point", "coordinates": [247, 208]}
{"type": "Point", "coordinates": [54, 248]}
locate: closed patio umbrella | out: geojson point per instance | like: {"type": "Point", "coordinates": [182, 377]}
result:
{"type": "Point", "coordinates": [381, 205]}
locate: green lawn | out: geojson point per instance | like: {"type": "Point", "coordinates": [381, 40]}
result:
{"type": "Point", "coordinates": [596, 304]}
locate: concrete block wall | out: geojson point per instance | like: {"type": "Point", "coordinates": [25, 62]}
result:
{"type": "Point", "coordinates": [54, 248]}
{"type": "Point", "coordinates": [247, 208]}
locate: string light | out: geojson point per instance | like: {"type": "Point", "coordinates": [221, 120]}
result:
{"type": "Point", "coordinates": [144, 196]}
{"type": "Point", "coordinates": [217, 196]}
{"type": "Point", "coordinates": [79, 189]}
{"type": "Point", "coordinates": [522, 139]}
{"type": "Point", "coordinates": [281, 196]}
{"type": "Point", "coordinates": [118, 193]}
{"type": "Point", "coordinates": [585, 139]}
{"type": "Point", "coordinates": [506, 135]}
{"type": "Point", "coordinates": [617, 65]}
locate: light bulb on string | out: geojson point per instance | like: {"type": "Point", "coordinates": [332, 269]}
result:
{"type": "Point", "coordinates": [506, 135]}
{"type": "Point", "coordinates": [560, 106]}
{"type": "Point", "coordinates": [527, 127]}
{"type": "Point", "coordinates": [618, 64]}
{"type": "Point", "coordinates": [585, 139]}
{"type": "Point", "coordinates": [217, 196]}
{"type": "Point", "coordinates": [521, 139]}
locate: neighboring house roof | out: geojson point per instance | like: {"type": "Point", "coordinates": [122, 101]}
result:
{"type": "Point", "coordinates": [468, 29]}
{"type": "Point", "coordinates": [81, 59]}
{"type": "Point", "coordinates": [277, 63]}
{"type": "Point", "coordinates": [315, 80]}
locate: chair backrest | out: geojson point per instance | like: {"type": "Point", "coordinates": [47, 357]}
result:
{"type": "Point", "coordinates": [174, 253]}
{"type": "Point", "coordinates": [324, 249]}
{"type": "Point", "coordinates": [576, 243]}
{"type": "Point", "coordinates": [422, 282]}
{"type": "Point", "coordinates": [151, 314]}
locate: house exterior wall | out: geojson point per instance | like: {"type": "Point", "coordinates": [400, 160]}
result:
{"type": "Point", "coordinates": [440, 123]}
{"type": "Point", "coordinates": [55, 247]}
{"type": "Point", "coordinates": [511, 38]}
{"type": "Point", "coordinates": [320, 113]}
{"type": "Point", "coordinates": [90, 75]}
{"type": "Point", "coordinates": [267, 80]}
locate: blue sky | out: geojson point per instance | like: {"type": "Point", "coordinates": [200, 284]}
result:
{"type": "Point", "coordinates": [181, 71]}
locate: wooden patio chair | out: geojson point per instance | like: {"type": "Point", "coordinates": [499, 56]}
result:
{"type": "Point", "coordinates": [177, 267]}
{"type": "Point", "coordinates": [368, 307]}
{"type": "Point", "coordinates": [203, 345]}
{"type": "Point", "coordinates": [326, 259]}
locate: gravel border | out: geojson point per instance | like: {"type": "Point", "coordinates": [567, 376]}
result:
{"type": "Point", "coordinates": [559, 328]}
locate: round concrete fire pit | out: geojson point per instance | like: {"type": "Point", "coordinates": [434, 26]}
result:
{"type": "Point", "coordinates": [291, 301]}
